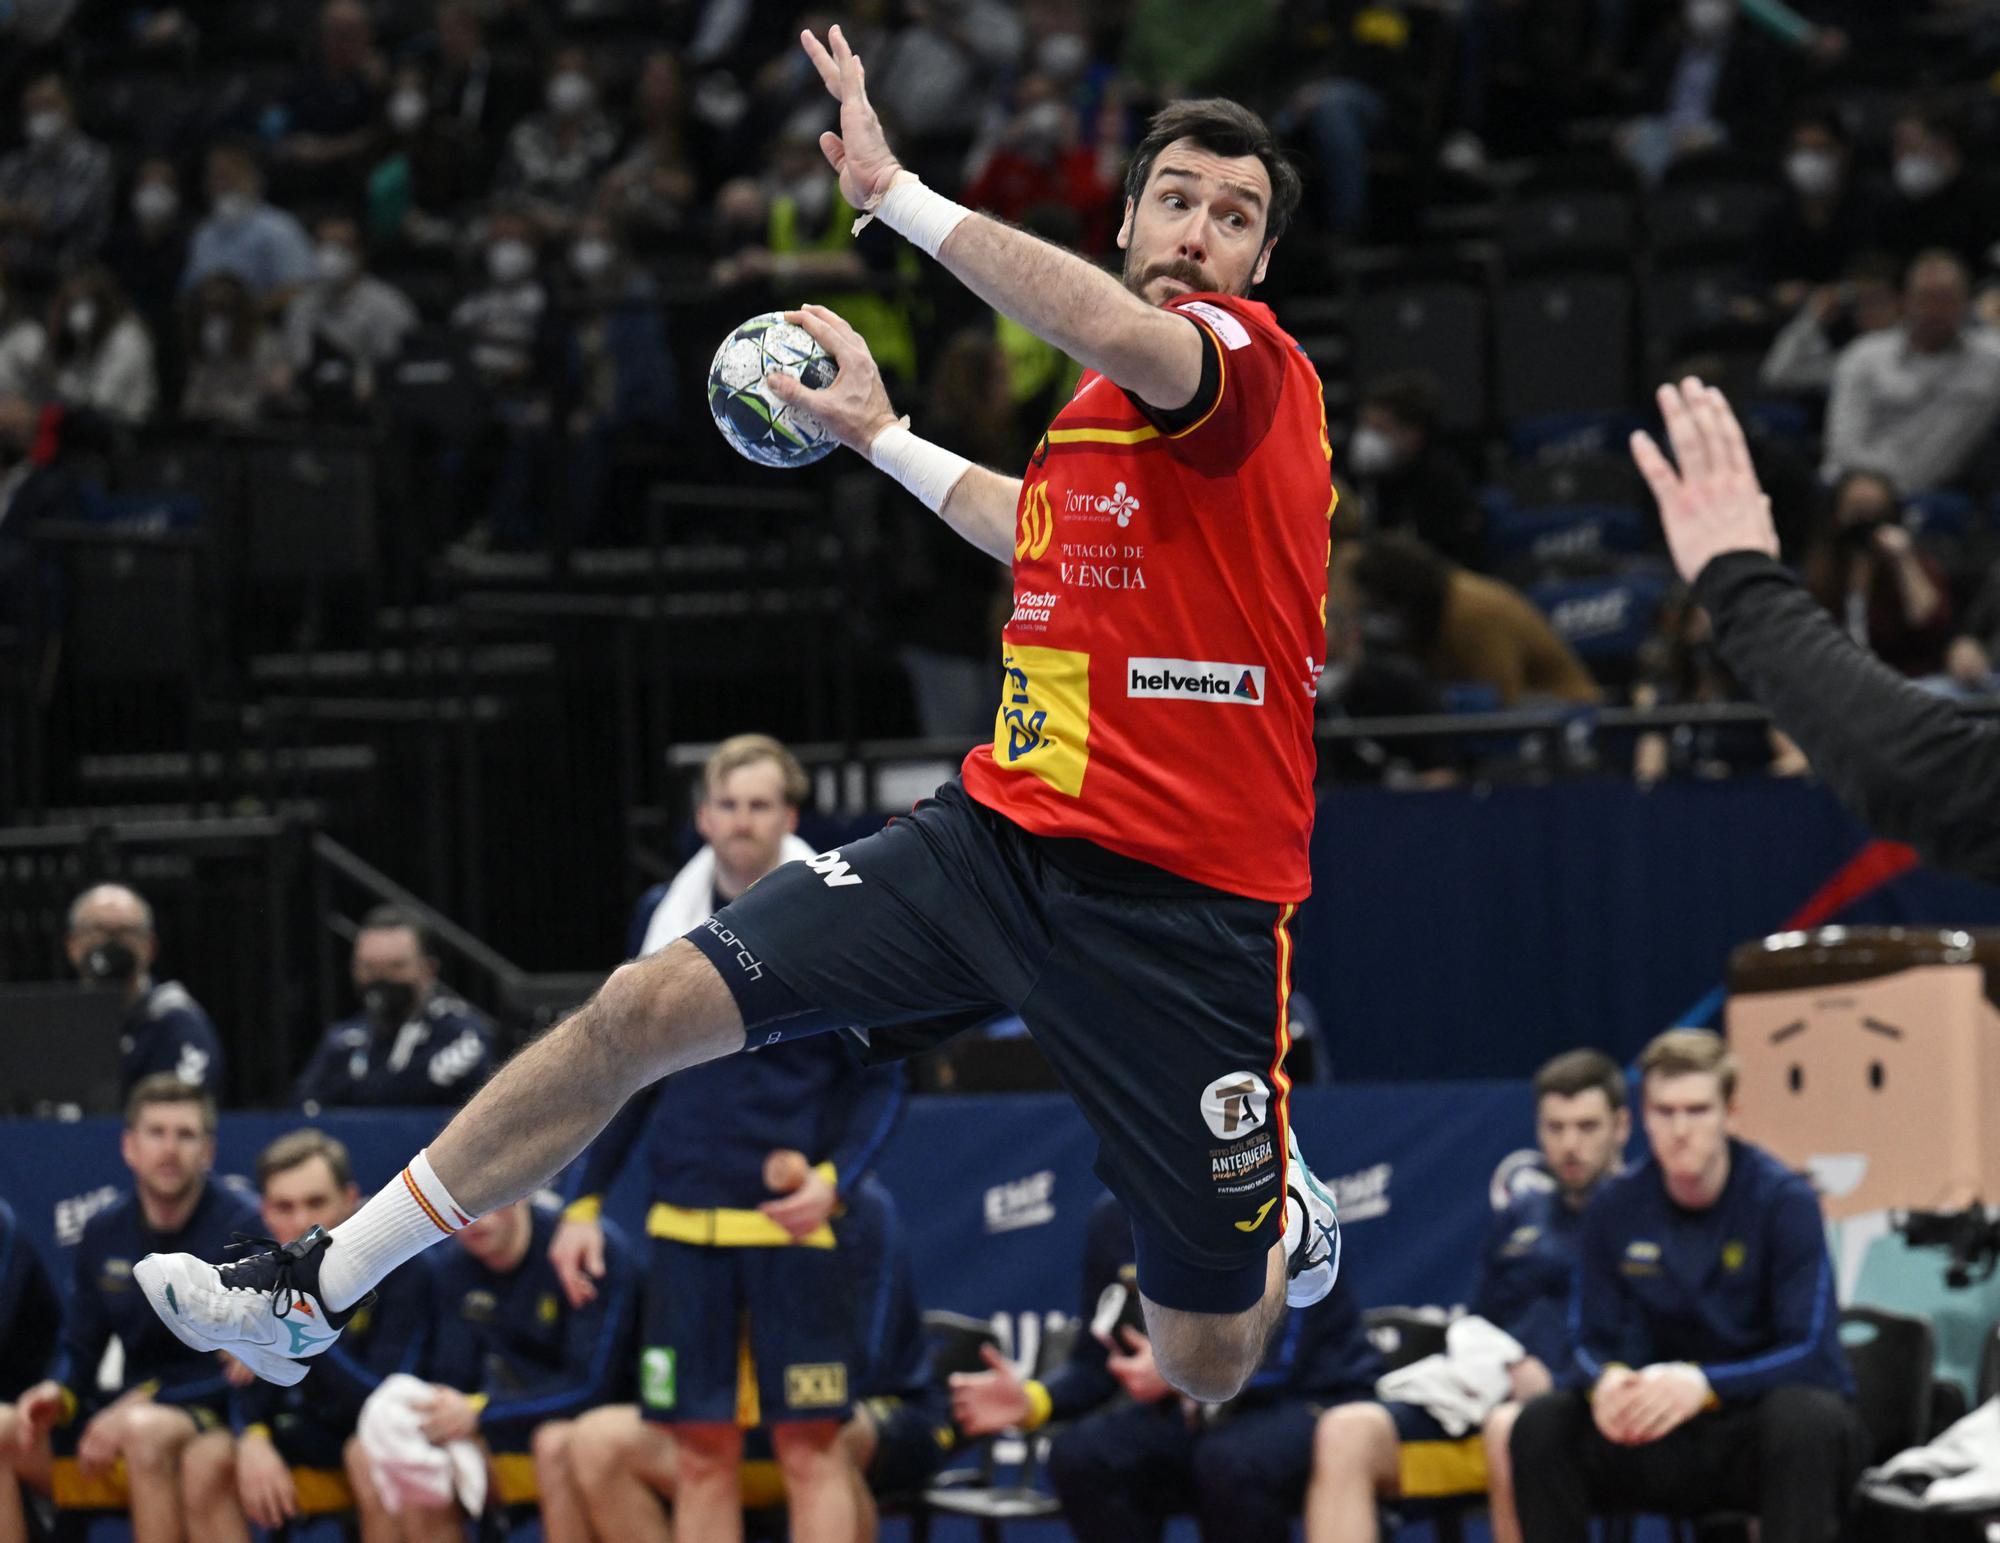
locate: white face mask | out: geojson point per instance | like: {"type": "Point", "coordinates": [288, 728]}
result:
{"type": "Point", "coordinates": [1042, 127]}
{"type": "Point", "coordinates": [333, 262]}
{"type": "Point", "coordinates": [44, 126]}
{"type": "Point", "coordinates": [510, 261]}
{"type": "Point", "coordinates": [1813, 173]}
{"type": "Point", "coordinates": [1708, 20]}
{"type": "Point", "coordinates": [407, 110]}
{"type": "Point", "coordinates": [153, 202]}
{"type": "Point", "coordinates": [1371, 452]}
{"type": "Point", "coordinates": [570, 92]}
{"type": "Point", "coordinates": [590, 257]}
{"type": "Point", "coordinates": [1062, 55]}
{"type": "Point", "coordinates": [216, 332]}
{"type": "Point", "coordinates": [1920, 174]}
{"type": "Point", "coordinates": [82, 317]}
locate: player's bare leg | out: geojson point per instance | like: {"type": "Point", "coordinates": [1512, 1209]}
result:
{"type": "Point", "coordinates": [24, 1459]}
{"type": "Point", "coordinates": [208, 1490]}
{"type": "Point", "coordinates": [819, 1489]}
{"type": "Point", "coordinates": [627, 1470]}
{"type": "Point", "coordinates": [1496, 1433]}
{"type": "Point", "coordinates": [708, 1501]}
{"type": "Point", "coordinates": [154, 1437]}
{"type": "Point", "coordinates": [653, 1017]}
{"type": "Point", "coordinates": [564, 1517]}
{"type": "Point", "coordinates": [1355, 1460]}
{"type": "Point", "coordinates": [1210, 1356]}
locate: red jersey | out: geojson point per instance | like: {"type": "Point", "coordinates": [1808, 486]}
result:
{"type": "Point", "coordinates": [1169, 625]}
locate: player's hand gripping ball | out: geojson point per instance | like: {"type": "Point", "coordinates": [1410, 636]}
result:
{"type": "Point", "coordinates": [759, 426]}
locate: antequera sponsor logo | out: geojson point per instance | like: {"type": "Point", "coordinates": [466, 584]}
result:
{"type": "Point", "coordinates": [1195, 680]}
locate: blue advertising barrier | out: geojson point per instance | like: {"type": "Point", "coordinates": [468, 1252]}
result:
{"type": "Point", "coordinates": [994, 1189]}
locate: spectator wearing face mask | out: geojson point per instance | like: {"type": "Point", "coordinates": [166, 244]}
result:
{"type": "Point", "coordinates": [261, 244]}
{"type": "Point", "coordinates": [148, 249]}
{"type": "Point", "coordinates": [1412, 480]}
{"type": "Point", "coordinates": [554, 157]}
{"type": "Point", "coordinates": [113, 946]}
{"type": "Point", "coordinates": [22, 342]}
{"type": "Point", "coordinates": [235, 363]}
{"type": "Point", "coordinates": [1825, 221]}
{"type": "Point", "coordinates": [1040, 159]}
{"type": "Point", "coordinates": [507, 331]}
{"type": "Point", "coordinates": [653, 188]}
{"type": "Point", "coordinates": [347, 324]}
{"type": "Point", "coordinates": [100, 356]}
{"type": "Point", "coordinates": [620, 375]}
{"type": "Point", "coordinates": [412, 1043]}
{"type": "Point", "coordinates": [1864, 567]}
{"type": "Point", "coordinates": [56, 191]}
{"type": "Point", "coordinates": [431, 170]}
{"type": "Point", "coordinates": [1914, 402]}
{"type": "Point", "coordinates": [1708, 77]}
{"type": "Point", "coordinates": [1936, 203]}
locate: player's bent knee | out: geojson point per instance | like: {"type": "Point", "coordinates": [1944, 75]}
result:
{"type": "Point", "coordinates": [671, 1009]}
{"type": "Point", "coordinates": [1348, 1436]}
{"type": "Point", "coordinates": [550, 1445]}
{"type": "Point", "coordinates": [154, 1438]}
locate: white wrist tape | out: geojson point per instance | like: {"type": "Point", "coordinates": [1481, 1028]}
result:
{"type": "Point", "coordinates": [915, 213]}
{"type": "Point", "coordinates": [929, 471]}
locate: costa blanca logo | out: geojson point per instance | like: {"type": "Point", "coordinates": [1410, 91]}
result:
{"type": "Point", "coordinates": [1235, 1104]}
{"type": "Point", "coordinates": [1195, 680]}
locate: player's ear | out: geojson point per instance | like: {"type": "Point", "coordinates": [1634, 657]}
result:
{"type": "Point", "coordinates": [1125, 226]}
{"type": "Point", "coordinates": [791, 820]}
{"type": "Point", "coordinates": [1263, 262]}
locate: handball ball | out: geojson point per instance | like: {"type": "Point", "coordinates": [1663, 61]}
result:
{"type": "Point", "coordinates": [785, 1170]}
{"type": "Point", "coordinates": [759, 426]}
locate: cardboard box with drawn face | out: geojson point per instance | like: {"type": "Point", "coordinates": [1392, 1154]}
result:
{"type": "Point", "coordinates": [1876, 1083]}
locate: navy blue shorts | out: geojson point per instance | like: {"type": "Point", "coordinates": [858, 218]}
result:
{"type": "Point", "coordinates": [1159, 1003]}
{"type": "Point", "coordinates": [912, 1441]}
{"type": "Point", "coordinates": [789, 1309]}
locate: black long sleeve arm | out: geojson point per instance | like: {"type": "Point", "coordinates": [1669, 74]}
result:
{"type": "Point", "coordinates": [1908, 763]}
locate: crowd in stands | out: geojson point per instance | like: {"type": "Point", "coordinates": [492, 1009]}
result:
{"type": "Point", "coordinates": [272, 214]}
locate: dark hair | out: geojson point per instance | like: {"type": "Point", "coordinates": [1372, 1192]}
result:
{"type": "Point", "coordinates": [1412, 396]}
{"type": "Point", "coordinates": [1937, 122]}
{"type": "Point", "coordinates": [166, 1088]}
{"type": "Point", "coordinates": [297, 1147]}
{"type": "Point", "coordinates": [1822, 116]}
{"type": "Point", "coordinates": [1578, 1071]}
{"type": "Point", "coordinates": [391, 918]}
{"type": "Point", "coordinates": [1400, 575]}
{"type": "Point", "coordinates": [1226, 128]}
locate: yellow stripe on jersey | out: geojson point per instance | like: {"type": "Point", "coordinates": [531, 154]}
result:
{"type": "Point", "coordinates": [1102, 436]}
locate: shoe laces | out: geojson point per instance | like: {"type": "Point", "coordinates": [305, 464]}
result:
{"type": "Point", "coordinates": [280, 1258]}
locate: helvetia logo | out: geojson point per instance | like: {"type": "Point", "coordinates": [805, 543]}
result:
{"type": "Point", "coordinates": [1195, 680]}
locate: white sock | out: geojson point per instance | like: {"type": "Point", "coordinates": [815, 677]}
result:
{"type": "Point", "coordinates": [405, 1217]}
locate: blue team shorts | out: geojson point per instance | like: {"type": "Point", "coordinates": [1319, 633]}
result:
{"type": "Point", "coordinates": [1160, 1003]}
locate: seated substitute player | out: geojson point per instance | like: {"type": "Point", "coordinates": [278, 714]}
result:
{"type": "Point", "coordinates": [1120, 867]}
{"type": "Point", "coordinates": [1122, 1470]}
{"type": "Point", "coordinates": [413, 1042]}
{"type": "Point", "coordinates": [169, 1392]}
{"type": "Point", "coordinates": [30, 1322]}
{"type": "Point", "coordinates": [622, 1465]}
{"type": "Point", "coordinates": [510, 1356]}
{"type": "Point", "coordinates": [112, 943]}
{"type": "Point", "coordinates": [1391, 1450]}
{"type": "Point", "coordinates": [1707, 1335]}
{"type": "Point", "coordinates": [292, 1438]}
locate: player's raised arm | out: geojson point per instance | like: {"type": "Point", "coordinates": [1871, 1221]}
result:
{"type": "Point", "coordinates": [1207, 220]}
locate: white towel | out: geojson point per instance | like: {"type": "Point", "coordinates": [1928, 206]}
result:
{"type": "Point", "coordinates": [1960, 1471]}
{"type": "Point", "coordinates": [690, 899]}
{"type": "Point", "coordinates": [409, 1469]}
{"type": "Point", "coordinates": [1463, 1384]}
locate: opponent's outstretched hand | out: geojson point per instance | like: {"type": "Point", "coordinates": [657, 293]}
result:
{"type": "Point", "coordinates": [855, 408]}
{"type": "Point", "coordinates": [860, 151]}
{"type": "Point", "coordinates": [1713, 503]}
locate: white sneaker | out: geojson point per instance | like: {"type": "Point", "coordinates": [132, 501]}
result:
{"type": "Point", "coordinates": [264, 1309]}
{"type": "Point", "coordinates": [1312, 1231]}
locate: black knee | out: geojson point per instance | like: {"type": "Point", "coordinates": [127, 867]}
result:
{"type": "Point", "coordinates": [1080, 1461]}
{"type": "Point", "coordinates": [1798, 1419]}
{"type": "Point", "coordinates": [1548, 1430]}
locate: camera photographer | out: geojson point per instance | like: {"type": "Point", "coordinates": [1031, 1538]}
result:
{"type": "Point", "coordinates": [112, 946]}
